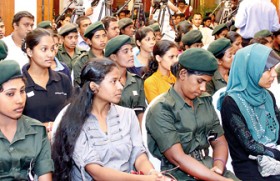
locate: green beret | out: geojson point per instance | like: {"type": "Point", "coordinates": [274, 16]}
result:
{"type": "Point", "coordinates": [219, 28]}
{"type": "Point", "coordinates": [193, 36]}
{"type": "Point", "coordinates": [91, 29]}
{"type": "Point", "coordinates": [124, 22]}
{"type": "Point", "coordinates": [262, 34]}
{"type": "Point", "coordinates": [233, 28]}
{"type": "Point", "coordinates": [67, 28]}
{"type": "Point", "coordinates": [9, 69]}
{"type": "Point", "coordinates": [155, 27]}
{"type": "Point", "coordinates": [200, 60]}
{"type": "Point", "coordinates": [3, 50]}
{"type": "Point", "coordinates": [116, 43]}
{"type": "Point", "coordinates": [45, 24]}
{"type": "Point", "coordinates": [218, 47]}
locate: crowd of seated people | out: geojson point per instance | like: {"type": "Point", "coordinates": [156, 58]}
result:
{"type": "Point", "coordinates": [73, 96]}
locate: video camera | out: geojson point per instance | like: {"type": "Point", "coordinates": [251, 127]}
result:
{"type": "Point", "coordinates": [157, 3]}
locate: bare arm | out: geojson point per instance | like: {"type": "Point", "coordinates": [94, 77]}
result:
{"type": "Point", "coordinates": [103, 173]}
{"type": "Point", "coordinates": [186, 163]}
{"type": "Point", "coordinates": [46, 177]}
{"type": "Point", "coordinates": [220, 153]}
{"type": "Point", "coordinates": [143, 164]}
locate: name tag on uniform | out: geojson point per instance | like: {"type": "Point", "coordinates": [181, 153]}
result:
{"type": "Point", "coordinates": [135, 93]}
{"type": "Point", "coordinates": [60, 93]}
{"type": "Point", "coordinates": [30, 94]}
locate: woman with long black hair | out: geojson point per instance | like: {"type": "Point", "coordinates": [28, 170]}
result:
{"type": "Point", "coordinates": [97, 139]}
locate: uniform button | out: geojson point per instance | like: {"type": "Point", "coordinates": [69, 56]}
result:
{"type": "Point", "coordinates": [11, 149]}
{"type": "Point", "coordinates": [91, 137]}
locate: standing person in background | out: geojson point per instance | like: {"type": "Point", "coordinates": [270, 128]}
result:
{"type": "Point", "coordinates": [165, 25]}
{"type": "Point", "coordinates": [2, 28]}
{"type": "Point", "coordinates": [256, 15]}
{"type": "Point", "coordinates": [184, 8]}
{"type": "Point", "coordinates": [160, 78]}
{"type": "Point", "coordinates": [47, 90]}
{"type": "Point", "coordinates": [94, 12]}
{"type": "Point", "coordinates": [25, 149]}
{"type": "Point", "coordinates": [68, 52]}
{"type": "Point", "coordinates": [111, 26]}
{"type": "Point", "coordinates": [83, 22]}
{"type": "Point", "coordinates": [23, 23]}
{"type": "Point", "coordinates": [196, 21]}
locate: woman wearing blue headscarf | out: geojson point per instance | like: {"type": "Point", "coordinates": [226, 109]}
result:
{"type": "Point", "coordinates": [249, 114]}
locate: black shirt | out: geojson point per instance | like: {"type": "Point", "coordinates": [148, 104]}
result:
{"type": "Point", "coordinates": [44, 104]}
{"type": "Point", "coordinates": [241, 143]}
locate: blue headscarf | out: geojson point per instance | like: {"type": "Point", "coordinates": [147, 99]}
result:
{"type": "Point", "coordinates": [254, 102]}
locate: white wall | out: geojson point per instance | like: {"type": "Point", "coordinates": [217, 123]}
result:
{"type": "Point", "coordinates": [27, 5]}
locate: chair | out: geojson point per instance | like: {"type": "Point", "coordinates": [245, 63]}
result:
{"type": "Point", "coordinates": [215, 98]}
{"type": "Point", "coordinates": [57, 121]}
{"type": "Point", "coordinates": [156, 162]}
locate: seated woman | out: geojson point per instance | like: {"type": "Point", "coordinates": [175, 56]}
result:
{"type": "Point", "coordinates": [25, 149]}
{"type": "Point", "coordinates": [249, 114]}
{"type": "Point", "coordinates": [97, 139]}
{"type": "Point", "coordinates": [224, 53]}
{"type": "Point", "coordinates": [235, 39]}
{"type": "Point", "coordinates": [119, 49]}
{"type": "Point", "coordinates": [183, 123]}
{"type": "Point", "coordinates": [145, 41]}
{"type": "Point", "coordinates": [159, 77]}
{"type": "Point", "coordinates": [96, 38]}
{"type": "Point", "coordinates": [47, 90]}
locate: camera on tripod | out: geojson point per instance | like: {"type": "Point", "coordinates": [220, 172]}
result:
{"type": "Point", "coordinates": [79, 8]}
{"type": "Point", "coordinates": [157, 3]}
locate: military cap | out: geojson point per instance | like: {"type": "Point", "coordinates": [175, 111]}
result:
{"type": "Point", "coordinates": [115, 44]}
{"type": "Point", "coordinates": [45, 24]}
{"type": "Point", "coordinates": [3, 50]}
{"type": "Point", "coordinates": [67, 28]}
{"type": "Point", "coordinates": [263, 34]}
{"type": "Point", "coordinates": [199, 60]}
{"type": "Point", "coordinates": [155, 27]}
{"type": "Point", "coordinates": [124, 22]}
{"type": "Point", "coordinates": [218, 47]}
{"type": "Point", "coordinates": [193, 36]}
{"type": "Point", "coordinates": [219, 28]}
{"type": "Point", "coordinates": [232, 28]}
{"type": "Point", "coordinates": [9, 69]}
{"type": "Point", "coordinates": [91, 29]}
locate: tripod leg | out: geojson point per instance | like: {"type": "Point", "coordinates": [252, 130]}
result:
{"type": "Point", "coordinates": [101, 11]}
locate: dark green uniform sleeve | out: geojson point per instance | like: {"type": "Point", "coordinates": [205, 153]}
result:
{"type": "Point", "coordinates": [44, 163]}
{"type": "Point", "coordinates": [161, 128]}
{"type": "Point", "coordinates": [77, 69]}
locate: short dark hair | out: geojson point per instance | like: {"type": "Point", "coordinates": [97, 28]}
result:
{"type": "Point", "coordinates": [107, 20]}
{"type": "Point", "coordinates": [21, 14]}
{"type": "Point", "coordinates": [80, 19]}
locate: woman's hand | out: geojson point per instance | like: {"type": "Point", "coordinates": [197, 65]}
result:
{"type": "Point", "coordinates": [49, 126]}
